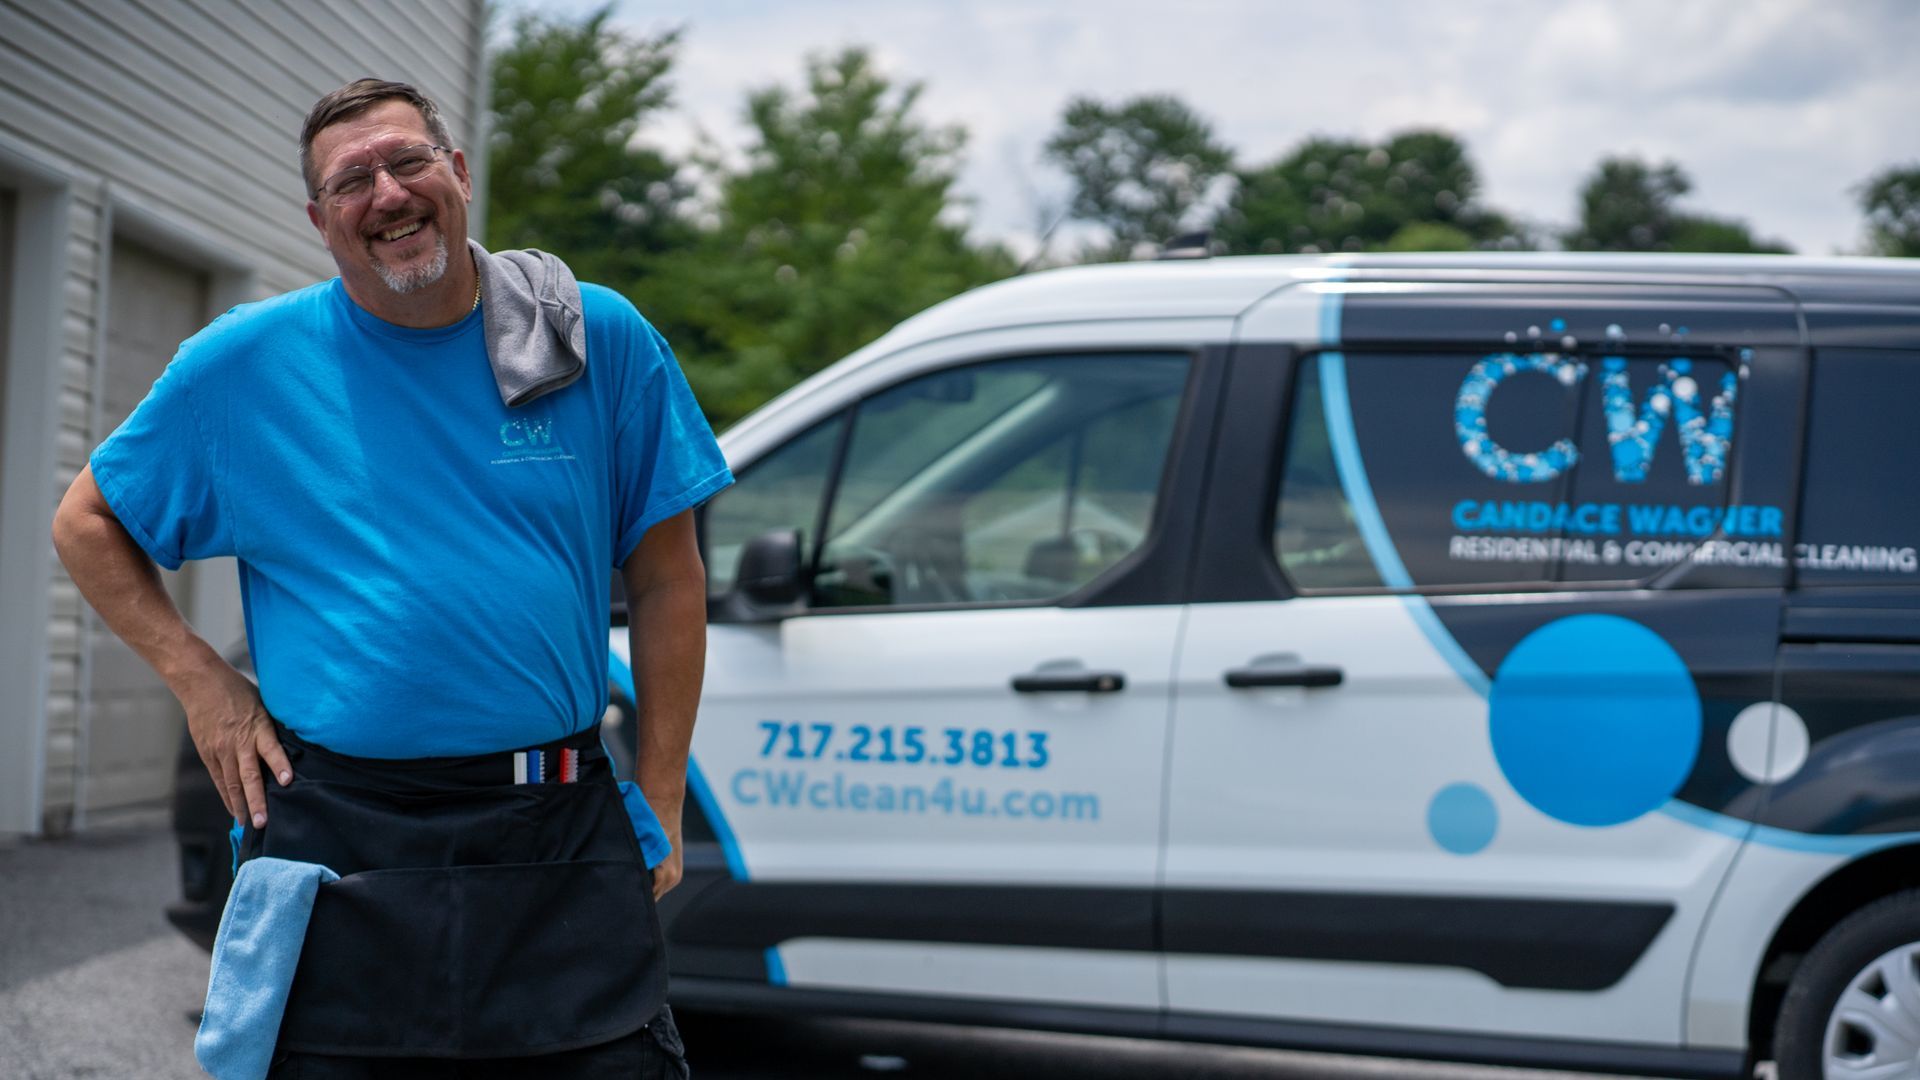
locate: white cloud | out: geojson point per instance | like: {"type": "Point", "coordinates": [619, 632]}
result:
{"type": "Point", "coordinates": [1776, 108]}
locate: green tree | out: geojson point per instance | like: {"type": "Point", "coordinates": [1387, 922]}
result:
{"type": "Point", "coordinates": [1141, 168]}
{"type": "Point", "coordinates": [1631, 205]}
{"type": "Point", "coordinates": [564, 173]}
{"type": "Point", "coordinates": [839, 224]}
{"type": "Point", "coordinates": [1628, 205]}
{"type": "Point", "coordinates": [1428, 236]}
{"type": "Point", "coordinates": [1891, 201]}
{"type": "Point", "coordinates": [1416, 191]}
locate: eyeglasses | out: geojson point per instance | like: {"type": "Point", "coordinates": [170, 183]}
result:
{"type": "Point", "coordinates": [355, 183]}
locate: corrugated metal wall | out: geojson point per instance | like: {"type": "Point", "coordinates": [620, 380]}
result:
{"type": "Point", "coordinates": [176, 122]}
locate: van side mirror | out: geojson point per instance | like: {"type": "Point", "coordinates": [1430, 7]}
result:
{"type": "Point", "coordinates": [768, 581]}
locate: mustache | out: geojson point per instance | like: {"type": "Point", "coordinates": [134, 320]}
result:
{"type": "Point", "coordinates": [391, 220]}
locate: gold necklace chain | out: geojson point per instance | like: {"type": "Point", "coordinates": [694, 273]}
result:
{"type": "Point", "coordinates": [476, 295]}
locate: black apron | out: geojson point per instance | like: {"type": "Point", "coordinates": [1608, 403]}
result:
{"type": "Point", "coordinates": [475, 917]}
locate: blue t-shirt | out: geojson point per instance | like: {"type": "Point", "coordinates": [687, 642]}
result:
{"type": "Point", "coordinates": [424, 571]}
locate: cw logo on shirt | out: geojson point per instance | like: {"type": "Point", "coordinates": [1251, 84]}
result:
{"type": "Point", "coordinates": [530, 439]}
{"type": "Point", "coordinates": [522, 433]}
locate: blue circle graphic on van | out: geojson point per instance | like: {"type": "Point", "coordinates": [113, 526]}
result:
{"type": "Point", "coordinates": [1595, 720]}
{"type": "Point", "coordinates": [1462, 818]}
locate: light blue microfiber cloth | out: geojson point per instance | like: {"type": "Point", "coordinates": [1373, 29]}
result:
{"type": "Point", "coordinates": [654, 845]}
{"type": "Point", "coordinates": [254, 957]}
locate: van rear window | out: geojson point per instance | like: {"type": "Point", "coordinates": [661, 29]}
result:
{"type": "Point", "coordinates": [1860, 516]}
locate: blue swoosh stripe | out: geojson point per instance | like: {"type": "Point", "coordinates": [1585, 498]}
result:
{"type": "Point", "coordinates": [1338, 408]}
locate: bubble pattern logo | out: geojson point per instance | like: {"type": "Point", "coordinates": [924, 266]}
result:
{"type": "Point", "coordinates": [1470, 418]}
{"type": "Point", "coordinates": [1704, 435]}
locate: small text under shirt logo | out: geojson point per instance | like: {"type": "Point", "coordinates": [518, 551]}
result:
{"type": "Point", "coordinates": [530, 439]}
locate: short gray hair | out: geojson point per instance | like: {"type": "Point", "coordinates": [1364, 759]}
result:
{"type": "Point", "coordinates": [355, 98]}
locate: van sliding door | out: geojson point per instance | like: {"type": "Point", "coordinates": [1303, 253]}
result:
{"type": "Point", "coordinates": [1452, 722]}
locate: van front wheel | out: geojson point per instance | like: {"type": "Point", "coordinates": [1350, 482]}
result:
{"type": "Point", "coordinates": [1853, 1007]}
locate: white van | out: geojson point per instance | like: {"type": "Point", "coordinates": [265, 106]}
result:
{"type": "Point", "coordinates": [1511, 658]}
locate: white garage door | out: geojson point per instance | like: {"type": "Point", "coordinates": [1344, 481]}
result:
{"type": "Point", "coordinates": [153, 304]}
{"type": "Point", "coordinates": [6, 296]}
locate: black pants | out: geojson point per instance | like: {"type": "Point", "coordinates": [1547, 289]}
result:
{"type": "Point", "coordinates": [652, 1053]}
{"type": "Point", "coordinates": [481, 926]}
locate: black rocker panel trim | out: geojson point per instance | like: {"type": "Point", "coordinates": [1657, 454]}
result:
{"type": "Point", "coordinates": [759, 915]}
{"type": "Point", "coordinates": [1629, 1058]}
{"type": "Point", "coordinates": [1537, 944]}
{"type": "Point", "coordinates": [1636, 1060]}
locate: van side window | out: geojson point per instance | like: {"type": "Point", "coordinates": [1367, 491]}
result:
{"type": "Point", "coordinates": [1315, 533]}
{"type": "Point", "coordinates": [782, 490]}
{"type": "Point", "coordinates": [1450, 470]}
{"type": "Point", "coordinates": [1860, 523]}
{"type": "Point", "coordinates": [1375, 470]}
{"type": "Point", "coordinates": [1017, 480]}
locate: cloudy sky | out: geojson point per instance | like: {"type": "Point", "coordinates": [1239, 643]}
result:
{"type": "Point", "coordinates": [1776, 108]}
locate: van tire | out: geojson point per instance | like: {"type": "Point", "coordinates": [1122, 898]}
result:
{"type": "Point", "coordinates": [1846, 954]}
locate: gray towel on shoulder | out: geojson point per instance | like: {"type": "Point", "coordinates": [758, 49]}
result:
{"type": "Point", "coordinates": [536, 331]}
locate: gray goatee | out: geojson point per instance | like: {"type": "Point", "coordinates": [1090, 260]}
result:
{"type": "Point", "coordinates": [418, 277]}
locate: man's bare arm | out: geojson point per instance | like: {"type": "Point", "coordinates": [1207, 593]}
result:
{"type": "Point", "coordinates": [667, 634]}
{"type": "Point", "coordinates": [229, 725]}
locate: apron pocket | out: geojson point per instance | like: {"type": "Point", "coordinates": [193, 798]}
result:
{"type": "Point", "coordinates": [477, 961]}
{"type": "Point", "coordinates": [353, 829]}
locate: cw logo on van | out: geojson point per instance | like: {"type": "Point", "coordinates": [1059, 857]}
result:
{"type": "Point", "coordinates": [1705, 433]}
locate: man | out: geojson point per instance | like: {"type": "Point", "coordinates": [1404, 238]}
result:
{"type": "Point", "coordinates": [424, 571]}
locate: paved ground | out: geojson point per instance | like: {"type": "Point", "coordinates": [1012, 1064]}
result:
{"type": "Point", "coordinates": [94, 984]}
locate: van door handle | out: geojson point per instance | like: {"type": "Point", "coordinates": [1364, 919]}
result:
{"type": "Point", "coordinates": [1062, 682]}
{"type": "Point", "coordinates": [1315, 676]}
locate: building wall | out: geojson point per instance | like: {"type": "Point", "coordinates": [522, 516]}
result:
{"type": "Point", "coordinates": [168, 127]}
